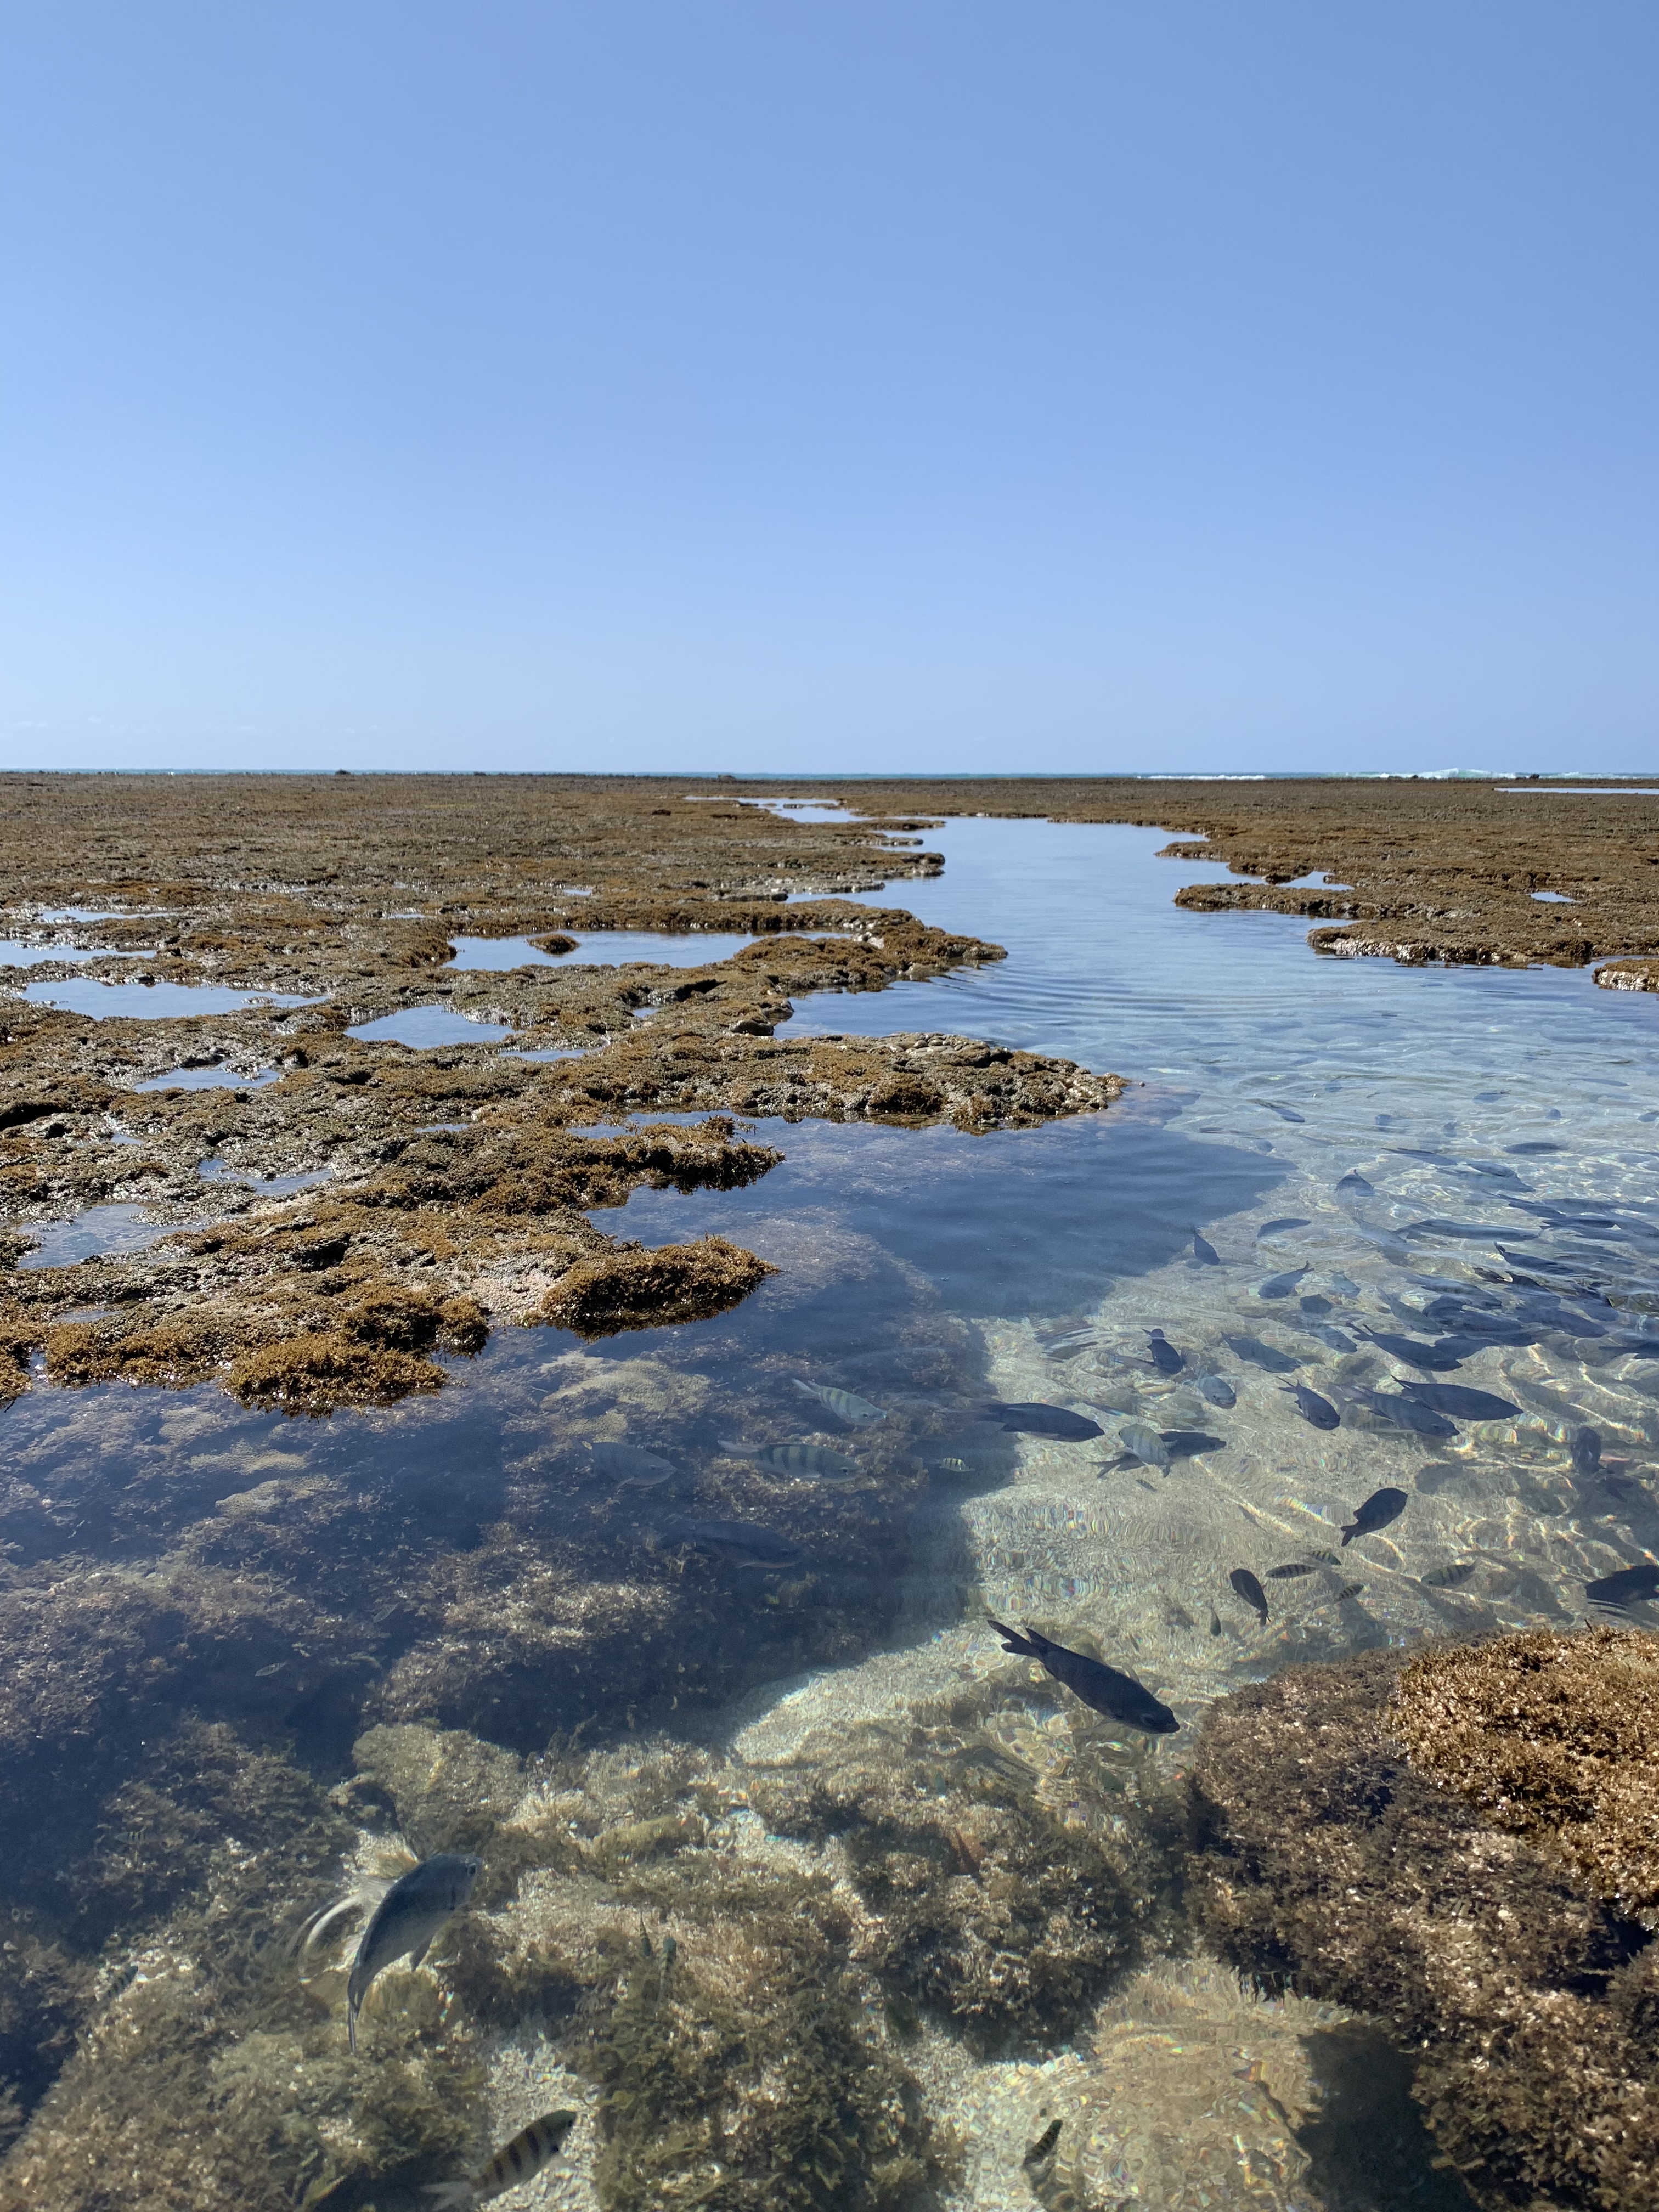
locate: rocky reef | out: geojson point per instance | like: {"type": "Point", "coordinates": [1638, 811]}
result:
{"type": "Point", "coordinates": [1460, 1848]}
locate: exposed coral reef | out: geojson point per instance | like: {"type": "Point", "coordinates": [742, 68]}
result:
{"type": "Point", "coordinates": [1324, 1858]}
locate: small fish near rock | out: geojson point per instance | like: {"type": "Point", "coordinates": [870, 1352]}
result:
{"type": "Point", "coordinates": [1626, 1587]}
{"type": "Point", "coordinates": [1452, 1575]}
{"type": "Point", "coordinates": [1035, 1419]}
{"type": "Point", "coordinates": [739, 1543]}
{"type": "Point", "coordinates": [1281, 1287]}
{"type": "Point", "coordinates": [1161, 1353]}
{"type": "Point", "coordinates": [1144, 1444]}
{"type": "Point", "coordinates": [845, 1404]}
{"type": "Point", "coordinates": [1102, 1688]}
{"type": "Point", "coordinates": [815, 1461]}
{"type": "Point", "coordinates": [1204, 1252]}
{"type": "Point", "coordinates": [413, 1911]}
{"type": "Point", "coordinates": [1217, 1391]}
{"type": "Point", "coordinates": [1403, 1413]}
{"type": "Point", "coordinates": [1246, 1586]}
{"type": "Point", "coordinates": [1439, 1357]}
{"type": "Point", "coordinates": [521, 2159]}
{"type": "Point", "coordinates": [1040, 2152]}
{"type": "Point", "coordinates": [1381, 1508]}
{"type": "Point", "coordinates": [1262, 1355]}
{"type": "Point", "coordinates": [630, 1468]}
{"type": "Point", "coordinates": [1291, 1573]}
{"type": "Point", "coordinates": [1463, 1404]}
{"type": "Point", "coordinates": [1318, 1412]}
{"type": "Point", "coordinates": [1284, 1222]}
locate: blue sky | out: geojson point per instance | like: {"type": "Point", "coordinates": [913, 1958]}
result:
{"type": "Point", "coordinates": [926, 386]}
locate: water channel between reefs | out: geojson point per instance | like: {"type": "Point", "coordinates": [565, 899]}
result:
{"type": "Point", "coordinates": [1313, 1153]}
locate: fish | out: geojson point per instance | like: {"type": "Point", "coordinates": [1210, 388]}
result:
{"type": "Point", "coordinates": [1435, 1356]}
{"type": "Point", "coordinates": [1285, 1221]}
{"type": "Point", "coordinates": [1145, 1444]}
{"type": "Point", "coordinates": [1190, 1444]}
{"type": "Point", "coordinates": [1314, 1304]}
{"type": "Point", "coordinates": [1161, 1353]}
{"type": "Point", "coordinates": [1262, 1355]}
{"type": "Point", "coordinates": [1215, 1622]}
{"type": "Point", "coordinates": [1204, 1252]}
{"type": "Point", "coordinates": [1449, 1577]}
{"type": "Point", "coordinates": [1463, 1404]}
{"type": "Point", "coordinates": [1119, 1697]}
{"type": "Point", "coordinates": [843, 1404]}
{"type": "Point", "coordinates": [1333, 1337]}
{"type": "Point", "coordinates": [740, 1543]}
{"type": "Point", "coordinates": [1354, 1185]}
{"type": "Point", "coordinates": [1217, 1391]}
{"type": "Point", "coordinates": [1483, 1233]}
{"type": "Point", "coordinates": [1281, 1287]}
{"type": "Point", "coordinates": [1035, 1419]}
{"type": "Point", "coordinates": [1343, 1285]}
{"type": "Point", "coordinates": [1538, 1263]}
{"type": "Point", "coordinates": [996, 1758]}
{"type": "Point", "coordinates": [413, 1910]}
{"type": "Point", "coordinates": [1040, 2152]}
{"type": "Point", "coordinates": [1586, 1450]}
{"type": "Point", "coordinates": [1347, 1590]}
{"type": "Point", "coordinates": [1624, 1588]}
{"type": "Point", "coordinates": [1289, 1574]}
{"type": "Point", "coordinates": [521, 2159]}
{"type": "Point", "coordinates": [1317, 1411]}
{"type": "Point", "coordinates": [815, 1460]}
{"type": "Point", "coordinates": [1382, 1507]}
{"type": "Point", "coordinates": [1284, 1113]}
{"type": "Point", "coordinates": [1539, 1144]}
{"type": "Point", "coordinates": [1245, 1583]}
{"type": "Point", "coordinates": [1406, 1413]}
{"type": "Point", "coordinates": [628, 1467]}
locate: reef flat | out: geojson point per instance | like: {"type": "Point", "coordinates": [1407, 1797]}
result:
{"type": "Point", "coordinates": [452, 1180]}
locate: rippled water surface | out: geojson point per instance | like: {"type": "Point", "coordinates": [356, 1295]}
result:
{"type": "Point", "coordinates": [1344, 1179]}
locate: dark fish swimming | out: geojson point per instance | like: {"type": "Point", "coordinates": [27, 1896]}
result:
{"type": "Point", "coordinates": [413, 1910]}
{"type": "Point", "coordinates": [1406, 1413]}
{"type": "Point", "coordinates": [1541, 1144]}
{"type": "Point", "coordinates": [1437, 1358]}
{"type": "Point", "coordinates": [1354, 1185]}
{"type": "Point", "coordinates": [1463, 1405]}
{"type": "Point", "coordinates": [739, 1542]}
{"type": "Point", "coordinates": [1333, 1337]}
{"type": "Point", "coordinates": [1204, 1252]}
{"type": "Point", "coordinates": [1035, 1419]}
{"type": "Point", "coordinates": [521, 2159]}
{"type": "Point", "coordinates": [1624, 1586]}
{"type": "Point", "coordinates": [1119, 1697]}
{"type": "Point", "coordinates": [1281, 1287]}
{"type": "Point", "coordinates": [1291, 1573]}
{"type": "Point", "coordinates": [1262, 1355]}
{"type": "Point", "coordinates": [1284, 1113]}
{"type": "Point", "coordinates": [1586, 1450]}
{"type": "Point", "coordinates": [1216, 1390]}
{"type": "Point", "coordinates": [1245, 1583]}
{"type": "Point", "coordinates": [1040, 2152]}
{"type": "Point", "coordinates": [1189, 1443]}
{"type": "Point", "coordinates": [1161, 1353]}
{"type": "Point", "coordinates": [1285, 1221]}
{"type": "Point", "coordinates": [1317, 1410]}
{"type": "Point", "coordinates": [1382, 1507]}
{"type": "Point", "coordinates": [1475, 1232]}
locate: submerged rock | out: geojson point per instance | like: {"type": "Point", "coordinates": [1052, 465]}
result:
{"type": "Point", "coordinates": [1328, 1857]}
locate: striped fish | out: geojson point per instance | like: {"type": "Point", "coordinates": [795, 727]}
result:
{"type": "Point", "coordinates": [841, 1403]}
{"type": "Point", "coordinates": [521, 2159]}
{"type": "Point", "coordinates": [816, 1460]}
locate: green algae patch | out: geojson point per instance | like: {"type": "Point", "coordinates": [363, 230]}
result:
{"type": "Point", "coordinates": [638, 1288]}
{"type": "Point", "coordinates": [1552, 1738]}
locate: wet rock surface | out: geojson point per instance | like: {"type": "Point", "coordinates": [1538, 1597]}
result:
{"type": "Point", "coordinates": [1329, 1858]}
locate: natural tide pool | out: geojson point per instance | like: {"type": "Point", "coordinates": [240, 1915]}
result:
{"type": "Point", "coordinates": [774, 1829]}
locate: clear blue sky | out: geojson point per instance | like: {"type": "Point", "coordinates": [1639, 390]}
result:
{"type": "Point", "coordinates": [925, 385]}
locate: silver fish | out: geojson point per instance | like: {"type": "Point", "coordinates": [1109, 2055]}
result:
{"type": "Point", "coordinates": [521, 2159]}
{"type": "Point", "coordinates": [1218, 1391]}
{"type": "Point", "coordinates": [855, 1411]}
{"type": "Point", "coordinates": [628, 1467]}
{"type": "Point", "coordinates": [1145, 1444]}
{"type": "Point", "coordinates": [816, 1460]}
{"type": "Point", "coordinates": [413, 1910]}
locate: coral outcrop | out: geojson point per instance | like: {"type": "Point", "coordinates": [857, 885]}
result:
{"type": "Point", "coordinates": [1329, 1856]}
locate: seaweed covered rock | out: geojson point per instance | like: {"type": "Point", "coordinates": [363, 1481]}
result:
{"type": "Point", "coordinates": [1322, 1858]}
{"type": "Point", "coordinates": [631, 1288]}
{"type": "Point", "coordinates": [982, 1905]}
{"type": "Point", "coordinates": [1552, 1737]}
